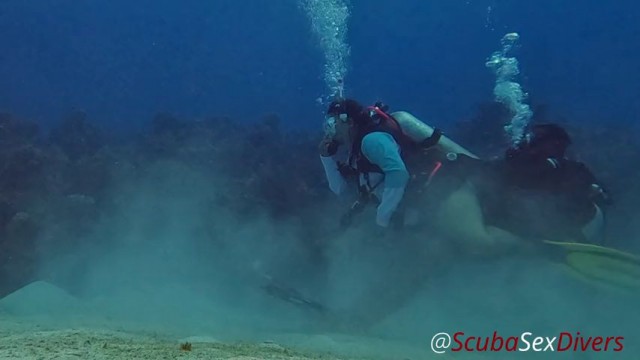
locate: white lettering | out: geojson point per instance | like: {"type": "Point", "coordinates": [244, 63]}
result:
{"type": "Point", "coordinates": [523, 337]}
{"type": "Point", "coordinates": [550, 342]}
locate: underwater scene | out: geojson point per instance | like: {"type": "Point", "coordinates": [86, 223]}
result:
{"type": "Point", "coordinates": [319, 179]}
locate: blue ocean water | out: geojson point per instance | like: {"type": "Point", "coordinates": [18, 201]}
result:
{"type": "Point", "coordinates": [124, 61]}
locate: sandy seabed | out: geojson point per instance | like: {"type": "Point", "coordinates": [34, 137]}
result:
{"type": "Point", "coordinates": [20, 339]}
{"type": "Point", "coordinates": [23, 342]}
{"type": "Point", "coordinates": [41, 321]}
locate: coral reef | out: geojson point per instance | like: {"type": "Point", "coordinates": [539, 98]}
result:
{"type": "Point", "coordinates": [64, 181]}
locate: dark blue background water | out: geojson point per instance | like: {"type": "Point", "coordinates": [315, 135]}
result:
{"type": "Point", "coordinates": [123, 61]}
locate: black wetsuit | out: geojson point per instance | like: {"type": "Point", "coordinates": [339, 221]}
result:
{"type": "Point", "coordinates": [539, 197]}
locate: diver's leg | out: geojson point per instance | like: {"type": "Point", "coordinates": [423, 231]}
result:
{"type": "Point", "coordinates": [460, 219]}
{"type": "Point", "coordinates": [593, 231]}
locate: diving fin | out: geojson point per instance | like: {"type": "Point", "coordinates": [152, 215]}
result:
{"type": "Point", "coordinates": [290, 295]}
{"type": "Point", "coordinates": [600, 264]}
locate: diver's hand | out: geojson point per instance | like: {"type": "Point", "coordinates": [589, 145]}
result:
{"type": "Point", "coordinates": [393, 225]}
{"type": "Point", "coordinates": [387, 236]}
{"type": "Point", "coordinates": [328, 147]}
{"type": "Point", "coordinates": [381, 232]}
{"type": "Point", "coordinates": [397, 220]}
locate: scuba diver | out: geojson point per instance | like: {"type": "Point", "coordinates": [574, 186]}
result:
{"type": "Point", "coordinates": [390, 157]}
{"type": "Point", "coordinates": [534, 192]}
{"type": "Point", "coordinates": [545, 194]}
{"type": "Point", "coordinates": [474, 206]}
{"type": "Point", "coordinates": [376, 147]}
{"type": "Point", "coordinates": [373, 153]}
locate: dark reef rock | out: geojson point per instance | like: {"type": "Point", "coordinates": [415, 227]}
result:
{"type": "Point", "coordinates": [77, 137]}
{"type": "Point", "coordinates": [21, 168]}
{"type": "Point", "coordinates": [15, 131]}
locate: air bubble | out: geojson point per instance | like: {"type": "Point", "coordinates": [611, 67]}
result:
{"type": "Point", "coordinates": [329, 20]}
{"type": "Point", "coordinates": [507, 91]}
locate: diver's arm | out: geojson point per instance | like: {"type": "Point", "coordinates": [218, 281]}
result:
{"type": "Point", "coordinates": [328, 149]}
{"type": "Point", "coordinates": [337, 182]}
{"type": "Point", "coordinates": [382, 150]}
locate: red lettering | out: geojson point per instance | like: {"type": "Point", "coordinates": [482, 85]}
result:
{"type": "Point", "coordinates": [458, 346]}
{"type": "Point", "coordinates": [577, 342]}
{"type": "Point", "coordinates": [606, 343]}
{"type": "Point", "coordinates": [597, 341]}
{"type": "Point", "coordinates": [619, 343]}
{"type": "Point", "coordinates": [495, 338]}
{"type": "Point", "coordinates": [479, 346]}
{"type": "Point", "coordinates": [569, 338]}
{"type": "Point", "coordinates": [466, 343]}
{"type": "Point", "coordinates": [583, 345]}
{"type": "Point", "coordinates": [514, 343]}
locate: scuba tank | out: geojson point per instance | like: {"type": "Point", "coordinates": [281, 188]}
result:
{"type": "Point", "coordinates": [418, 131]}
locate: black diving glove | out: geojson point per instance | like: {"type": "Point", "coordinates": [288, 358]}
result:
{"type": "Point", "coordinates": [328, 147]}
{"type": "Point", "coordinates": [346, 171]}
{"type": "Point", "coordinates": [356, 208]}
{"type": "Point", "coordinates": [365, 198]}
